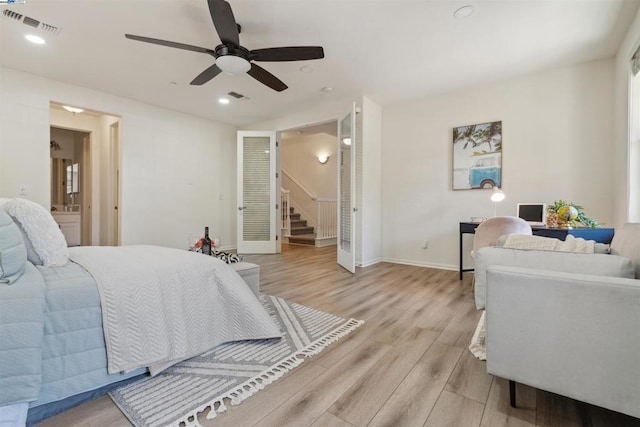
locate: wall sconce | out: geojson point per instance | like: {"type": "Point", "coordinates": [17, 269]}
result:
{"type": "Point", "coordinates": [323, 158]}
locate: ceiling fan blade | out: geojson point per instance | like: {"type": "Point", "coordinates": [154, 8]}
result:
{"type": "Point", "coordinates": [206, 75]}
{"type": "Point", "coordinates": [266, 78]}
{"type": "Point", "coordinates": [225, 23]}
{"type": "Point", "coordinates": [169, 44]}
{"type": "Point", "coordinates": [292, 53]}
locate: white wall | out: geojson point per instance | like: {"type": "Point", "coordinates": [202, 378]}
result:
{"type": "Point", "coordinates": [622, 150]}
{"type": "Point", "coordinates": [174, 166]}
{"type": "Point", "coordinates": [557, 144]}
{"type": "Point", "coordinates": [300, 158]}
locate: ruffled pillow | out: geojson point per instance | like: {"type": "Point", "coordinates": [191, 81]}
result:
{"type": "Point", "coordinates": [41, 232]}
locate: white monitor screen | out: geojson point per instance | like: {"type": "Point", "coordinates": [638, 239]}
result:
{"type": "Point", "coordinates": [533, 213]}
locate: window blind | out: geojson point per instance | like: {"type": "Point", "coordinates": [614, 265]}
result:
{"type": "Point", "coordinates": [256, 218]}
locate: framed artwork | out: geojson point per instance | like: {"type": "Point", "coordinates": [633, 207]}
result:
{"type": "Point", "coordinates": [477, 156]}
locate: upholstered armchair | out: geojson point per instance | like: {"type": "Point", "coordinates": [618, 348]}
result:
{"type": "Point", "coordinates": [564, 322]}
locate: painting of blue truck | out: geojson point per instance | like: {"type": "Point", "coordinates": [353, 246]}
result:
{"type": "Point", "coordinates": [477, 156]}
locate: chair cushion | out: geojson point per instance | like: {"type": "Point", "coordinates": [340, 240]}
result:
{"type": "Point", "coordinates": [626, 243]}
{"type": "Point", "coordinates": [13, 253]}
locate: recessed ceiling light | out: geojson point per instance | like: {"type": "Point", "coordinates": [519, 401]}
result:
{"type": "Point", "coordinates": [463, 12]}
{"type": "Point", "coordinates": [34, 39]}
{"type": "Point", "coordinates": [74, 110]}
{"type": "Point", "coordinates": [306, 69]}
{"type": "Point", "coordinates": [223, 100]}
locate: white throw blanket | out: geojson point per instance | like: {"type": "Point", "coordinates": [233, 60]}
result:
{"type": "Point", "coordinates": [539, 243]}
{"type": "Point", "coordinates": [161, 305]}
{"type": "Point", "coordinates": [478, 344]}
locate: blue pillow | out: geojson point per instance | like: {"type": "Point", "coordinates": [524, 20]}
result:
{"type": "Point", "coordinates": [13, 252]}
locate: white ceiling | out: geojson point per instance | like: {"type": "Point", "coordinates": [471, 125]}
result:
{"type": "Point", "coordinates": [388, 50]}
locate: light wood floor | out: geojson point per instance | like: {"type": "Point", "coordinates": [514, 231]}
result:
{"type": "Point", "coordinates": [408, 365]}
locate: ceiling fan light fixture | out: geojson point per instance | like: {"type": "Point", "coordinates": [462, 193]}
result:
{"type": "Point", "coordinates": [233, 65]}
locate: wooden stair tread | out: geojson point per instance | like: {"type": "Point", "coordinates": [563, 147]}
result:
{"type": "Point", "coordinates": [303, 239]}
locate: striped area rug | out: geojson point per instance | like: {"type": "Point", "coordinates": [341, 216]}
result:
{"type": "Point", "coordinates": [231, 372]}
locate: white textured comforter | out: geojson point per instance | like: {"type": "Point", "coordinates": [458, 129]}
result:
{"type": "Point", "coordinates": [161, 305]}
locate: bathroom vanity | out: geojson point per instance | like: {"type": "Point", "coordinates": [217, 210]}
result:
{"type": "Point", "coordinates": [69, 222]}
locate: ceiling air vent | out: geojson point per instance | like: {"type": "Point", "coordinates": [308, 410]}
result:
{"type": "Point", "coordinates": [236, 95]}
{"type": "Point", "coordinates": [15, 16]}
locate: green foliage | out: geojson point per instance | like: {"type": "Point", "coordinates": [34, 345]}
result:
{"type": "Point", "coordinates": [479, 135]}
{"type": "Point", "coordinates": [581, 219]}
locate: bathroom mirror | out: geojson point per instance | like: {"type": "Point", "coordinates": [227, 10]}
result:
{"type": "Point", "coordinates": [64, 181]}
{"type": "Point", "coordinates": [72, 178]}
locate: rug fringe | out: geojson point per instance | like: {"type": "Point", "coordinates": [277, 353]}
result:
{"type": "Point", "coordinates": [252, 386]}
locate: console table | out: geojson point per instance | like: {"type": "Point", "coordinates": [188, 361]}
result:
{"type": "Point", "coordinates": [600, 235]}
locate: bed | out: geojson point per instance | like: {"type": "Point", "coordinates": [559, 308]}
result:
{"type": "Point", "coordinates": [76, 320]}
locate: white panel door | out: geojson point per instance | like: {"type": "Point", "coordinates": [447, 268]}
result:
{"type": "Point", "coordinates": [257, 202]}
{"type": "Point", "coordinates": [347, 210]}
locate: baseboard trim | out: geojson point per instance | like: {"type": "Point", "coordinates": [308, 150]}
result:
{"type": "Point", "coordinates": [370, 263]}
{"type": "Point", "coordinates": [422, 264]}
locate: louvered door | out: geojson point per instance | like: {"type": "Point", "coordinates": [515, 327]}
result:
{"type": "Point", "coordinates": [257, 210]}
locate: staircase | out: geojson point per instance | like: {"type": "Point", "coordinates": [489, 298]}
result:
{"type": "Point", "coordinates": [300, 233]}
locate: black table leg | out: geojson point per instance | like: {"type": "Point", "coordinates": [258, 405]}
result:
{"type": "Point", "coordinates": [460, 255]}
{"type": "Point", "coordinates": [512, 393]}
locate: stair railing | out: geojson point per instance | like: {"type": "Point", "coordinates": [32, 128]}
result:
{"type": "Point", "coordinates": [321, 213]}
{"type": "Point", "coordinates": [327, 218]}
{"type": "Point", "coordinates": [301, 198]}
{"type": "Point", "coordinates": [285, 203]}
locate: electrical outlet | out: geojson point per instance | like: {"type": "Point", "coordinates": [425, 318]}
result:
{"type": "Point", "coordinates": [425, 244]}
{"type": "Point", "coordinates": [22, 190]}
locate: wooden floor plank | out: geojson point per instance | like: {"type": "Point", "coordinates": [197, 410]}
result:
{"type": "Point", "coordinates": [329, 420]}
{"type": "Point", "coordinates": [453, 410]}
{"type": "Point", "coordinates": [498, 412]}
{"type": "Point", "coordinates": [361, 402]}
{"type": "Point", "coordinates": [312, 401]}
{"type": "Point", "coordinates": [414, 398]}
{"type": "Point", "coordinates": [470, 378]}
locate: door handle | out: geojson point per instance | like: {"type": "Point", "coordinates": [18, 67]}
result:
{"type": "Point", "coordinates": [241, 207]}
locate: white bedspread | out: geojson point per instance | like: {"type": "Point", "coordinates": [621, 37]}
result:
{"type": "Point", "coordinates": [161, 305]}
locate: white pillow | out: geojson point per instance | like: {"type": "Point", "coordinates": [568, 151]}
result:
{"type": "Point", "coordinates": [40, 229]}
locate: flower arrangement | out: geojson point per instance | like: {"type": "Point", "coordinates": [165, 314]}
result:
{"type": "Point", "coordinates": [567, 214]}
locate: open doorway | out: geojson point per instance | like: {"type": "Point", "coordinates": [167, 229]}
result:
{"type": "Point", "coordinates": [71, 184]}
{"type": "Point", "coordinates": [309, 184]}
{"type": "Point", "coordinates": [97, 169]}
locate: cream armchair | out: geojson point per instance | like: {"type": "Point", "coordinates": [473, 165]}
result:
{"type": "Point", "coordinates": [566, 323]}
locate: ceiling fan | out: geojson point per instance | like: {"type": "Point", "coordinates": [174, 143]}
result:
{"type": "Point", "coordinates": [231, 57]}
